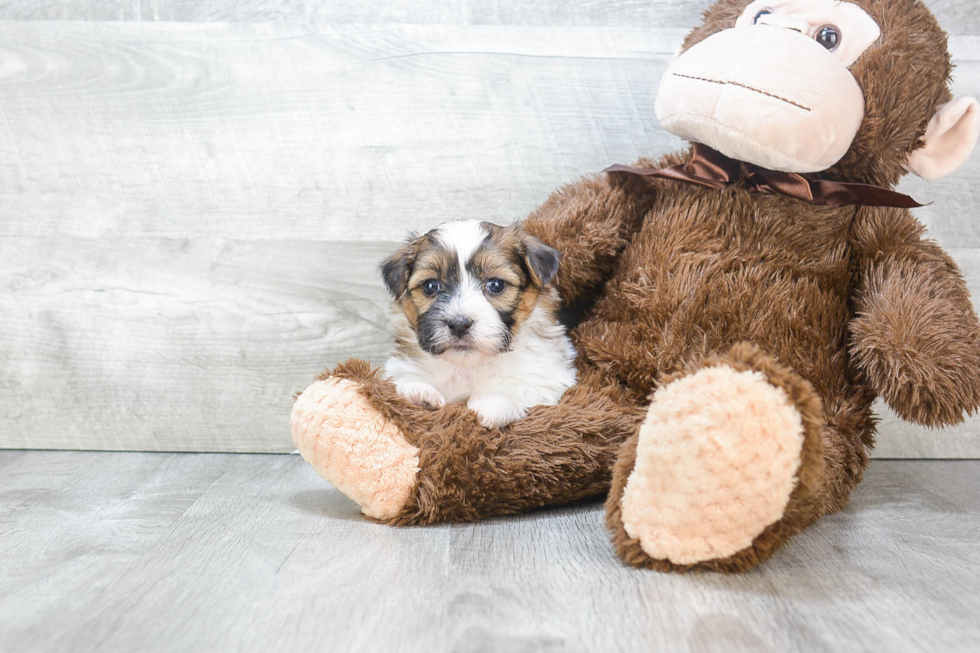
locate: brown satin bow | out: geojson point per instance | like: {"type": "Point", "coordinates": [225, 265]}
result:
{"type": "Point", "coordinates": [713, 169]}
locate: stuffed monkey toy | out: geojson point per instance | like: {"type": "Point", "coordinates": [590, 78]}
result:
{"type": "Point", "coordinates": [744, 304]}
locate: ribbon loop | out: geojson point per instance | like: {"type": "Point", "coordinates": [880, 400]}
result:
{"type": "Point", "coordinates": [712, 169]}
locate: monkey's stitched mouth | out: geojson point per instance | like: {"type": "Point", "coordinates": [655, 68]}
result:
{"type": "Point", "coordinates": [748, 88]}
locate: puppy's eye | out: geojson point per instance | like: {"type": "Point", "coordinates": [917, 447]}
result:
{"type": "Point", "coordinates": [495, 286]}
{"type": "Point", "coordinates": [430, 287]}
{"type": "Point", "coordinates": [764, 12]}
{"type": "Point", "coordinates": [828, 36]}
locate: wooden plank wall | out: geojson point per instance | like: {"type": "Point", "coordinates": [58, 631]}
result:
{"type": "Point", "coordinates": [194, 196]}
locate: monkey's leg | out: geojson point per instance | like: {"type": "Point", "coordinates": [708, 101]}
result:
{"type": "Point", "coordinates": [406, 465]}
{"type": "Point", "coordinates": [728, 464]}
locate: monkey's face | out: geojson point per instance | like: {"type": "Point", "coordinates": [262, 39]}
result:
{"type": "Point", "coordinates": [774, 90]}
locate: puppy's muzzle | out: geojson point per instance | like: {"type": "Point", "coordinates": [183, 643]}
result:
{"type": "Point", "coordinates": [459, 325]}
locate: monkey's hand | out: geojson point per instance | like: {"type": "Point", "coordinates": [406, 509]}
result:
{"type": "Point", "coordinates": [916, 335]}
{"type": "Point", "coordinates": [590, 222]}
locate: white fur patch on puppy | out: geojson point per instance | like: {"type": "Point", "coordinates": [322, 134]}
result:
{"type": "Point", "coordinates": [495, 411]}
{"type": "Point", "coordinates": [421, 394]}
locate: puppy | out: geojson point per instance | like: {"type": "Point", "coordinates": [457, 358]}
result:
{"type": "Point", "coordinates": [475, 321]}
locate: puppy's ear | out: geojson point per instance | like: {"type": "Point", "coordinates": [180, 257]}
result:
{"type": "Point", "coordinates": [542, 260]}
{"type": "Point", "coordinates": [396, 269]}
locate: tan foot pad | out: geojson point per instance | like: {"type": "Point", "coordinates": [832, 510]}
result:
{"type": "Point", "coordinates": [353, 446]}
{"type": "Point", "coordinates": [716, 463]}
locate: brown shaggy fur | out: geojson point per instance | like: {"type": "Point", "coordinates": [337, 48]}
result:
{"type": "Point", "coordinates": [556, 455]}
{"type": "Point", "coordinates": [834, 305]}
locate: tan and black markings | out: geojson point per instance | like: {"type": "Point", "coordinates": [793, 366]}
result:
{"type": "Point", "coordinates": [470, 285]}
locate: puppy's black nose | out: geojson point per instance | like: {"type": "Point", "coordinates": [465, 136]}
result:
{"type": "Point", "coordinates": [459, 325]}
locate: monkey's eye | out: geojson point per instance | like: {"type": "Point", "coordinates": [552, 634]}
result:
{"type": "Point", "coordinates": [495, 286]}
{"type": "Point", "coordinates": [828, 36]}
{"type": "Point", "coordinates": [430, 287]}
{"type": "Point", "coordinates": [764, 12]}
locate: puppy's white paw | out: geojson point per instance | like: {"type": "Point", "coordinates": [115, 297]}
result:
{"type": "Point", "coordinates": [421, 394]}
{"type": "Point", "coordinates": [495, 411]}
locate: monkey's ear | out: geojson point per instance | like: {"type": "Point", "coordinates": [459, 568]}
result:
{"type": "Point", "coordinates": [950, 138]}
{"type": "Point", "coordinates": [396, 268]}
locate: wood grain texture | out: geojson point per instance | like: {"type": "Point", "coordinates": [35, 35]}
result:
{"type": "Point", "coordinates": [167, 552]}
{"type": "Point", "coordinates": [337, 133]}
{"type": "Point", "coordinates": [451, 12]}
{"type": "Point", "coordinates": [192, 212]}
{"type": "Point", "coordinates": [957, 17]}
{"type": "Point", "coordinates": [176, 344]}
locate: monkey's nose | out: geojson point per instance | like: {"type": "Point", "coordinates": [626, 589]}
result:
{"type": "Point", "coordinates": [459, 325]}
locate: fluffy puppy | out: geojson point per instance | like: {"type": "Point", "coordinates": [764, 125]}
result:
{"type": "Point", "coordinates": [475, 321]}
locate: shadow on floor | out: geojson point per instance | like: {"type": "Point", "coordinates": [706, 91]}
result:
{"type": "Point", "coordinates": [329, 503]}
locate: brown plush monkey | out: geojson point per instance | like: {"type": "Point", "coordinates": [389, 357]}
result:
{"type": "Point", "coordinates": [742, 312]}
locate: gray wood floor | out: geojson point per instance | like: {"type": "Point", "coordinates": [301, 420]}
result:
{"type": "Point", "coordinates": [208, 552]}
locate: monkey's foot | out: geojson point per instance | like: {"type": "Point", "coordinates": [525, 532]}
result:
{"type": "Point", "coordinates": [714, 464]}
{"type": "Point", "coordinates": [353, 446]}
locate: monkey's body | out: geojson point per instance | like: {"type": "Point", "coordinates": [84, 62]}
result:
{"type": "Point", "coordinates": [752, 280]}
{"type": "Point", "coordinates": [733, 342]}
{"type": "Point", "coordinates": [705, 271]}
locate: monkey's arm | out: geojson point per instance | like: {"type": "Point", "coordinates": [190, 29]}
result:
{"type": "Point", "coordinates": [590, 222]}
{"type": "Point", "coordinates": [915, 333]}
